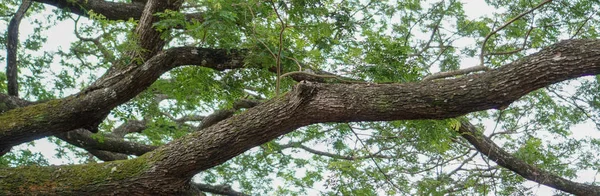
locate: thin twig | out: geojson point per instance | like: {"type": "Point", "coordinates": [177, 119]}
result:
{"type": "Point", "coordinates": [517, 50]}
{"type": "Point", "coordinates": [387, 178]}
{"type": "Point", "coordinates": [583, 24]}
{"type": "Point", "coordinates": [96, 41]}
{"type": "Point", "coordinates": [481, 55]}
{"type": "Point", "coordinates": [283, 26]}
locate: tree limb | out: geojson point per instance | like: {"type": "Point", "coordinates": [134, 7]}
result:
{"type": "Point", "coordinates": [84, 139]}
{"type": "Point", "coordinates": [110, 10]}
{"type": "Point", "coordinates": [223, 114]}
{"type": "Point", "coordinates": [11, 48]}
{"type": "Point", "coordinates": [487, 147]}
{"type": "Point", "coordinates": [308, 103]}
{"type": "Point", "coordinates": [218, 189]}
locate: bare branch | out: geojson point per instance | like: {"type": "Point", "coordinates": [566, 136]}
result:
{"type": "Point", "coordinates": [518, 49]}
{"type": "Point", "coordinates": [583, 24]}
{"type": "Point", "coordinates": [131, 126]}
{"type": "Point", "coordinates": [387, 178]}
{"type": "Point", "coordinates": [278, 59]}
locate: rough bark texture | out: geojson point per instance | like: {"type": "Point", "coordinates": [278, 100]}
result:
{"type": "Point", "coordinates": [167, 170]}
{"type": "Point", "coordinates": [84, 139]}
{"type": "Point", "coordinates": [175, 163]}
{"type": "Point", "coordinates": [88, 109]}
{"type": "Point", "coordinates": [111, 10]}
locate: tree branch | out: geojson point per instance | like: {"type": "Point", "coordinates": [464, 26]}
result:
{"type": "Point", "coordinates": [311, 103]}
{"type": "Point", "coordinates": [308, 103]}
{"type": "Point", "coordinates": [88, 108]}
{"type": "Point", "coordinates": [218, 189]}
{"type": "Point", "coordinates": [332, 155]}
{"type": "Point", "coordinates": [223, 114]}
{"type": "Point", "coordinates": [495, 153]}
{"type": "Point", "coordinates": [11, 49]}
{"type": "Point", "coordinates": [84, 139]}
{"type": "Point", "coordinates": [111, 10]}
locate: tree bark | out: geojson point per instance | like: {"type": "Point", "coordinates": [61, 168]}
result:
{"type": "Point", "coordinates": [168, 169]}
{"type": "Point", "coordinates": [111, 10]}
{"type": "Point", "coordinates": [11, 48]}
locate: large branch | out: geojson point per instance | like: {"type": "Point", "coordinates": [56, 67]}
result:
{"type": "Point", "coordinates": [119, 84]}
{"type": "Point", "coordinates": [84, 139]}
{"type": "Point", "coordinates": [113, 148]}
{"type": "Point", "coordinates": [528, 171]}
{"type": "Point", "coordinates": [111, 10]}
{"type": "Point", "coordinates": [311, 103]}
{"type": "Point", "coordinates": [170, 167]}
{"type": "Point", "coordinates": [86, 110]}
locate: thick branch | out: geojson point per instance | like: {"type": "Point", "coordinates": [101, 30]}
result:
{"type": "Point", "coordinates": [87, 109]}
{"type": "Point", "coordinates": [84, 139]}
{"type": "Point", "coordinates": [311, 103]}
{"type": "Point", "coordinates": [528, 171]}
{"type": "Point", "coordinates": [107, 156]}
{"type": "Point", "coordinates": [111, 10]}
{"type": "Point", "coordinates": [308, 103]}
{"type": "Point", "coordinates": [11, 49]}
{"type": "Point", "coordinates": [9, 102]}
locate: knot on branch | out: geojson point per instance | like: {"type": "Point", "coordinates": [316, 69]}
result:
{"type": "Point", "coordinates": [303, 92]}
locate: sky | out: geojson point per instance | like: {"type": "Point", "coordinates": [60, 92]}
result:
{"type": "Point", "coordinates": [61, 35]}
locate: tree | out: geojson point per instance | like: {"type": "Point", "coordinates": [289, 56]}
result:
{"type": "Point", "coordinates": [347, 82]}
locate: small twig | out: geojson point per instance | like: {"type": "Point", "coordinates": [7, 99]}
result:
{"type": "Point", "coordinates": [387, 178]}
{"type": "Point", "coordinates": [481, 55]}
{"type": "Point", "coordinates": [283, 26]}
{"type": "Point", "coordinates": [583, 24]}
{"type": "Point", "coordinates": [517, 50]}
{"type": "Point", "coordinates": [297, 63]}
{"type": "Point", "coordinates": [255, 33]}
{"type": "Point", "coordinates": [96, 41]}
